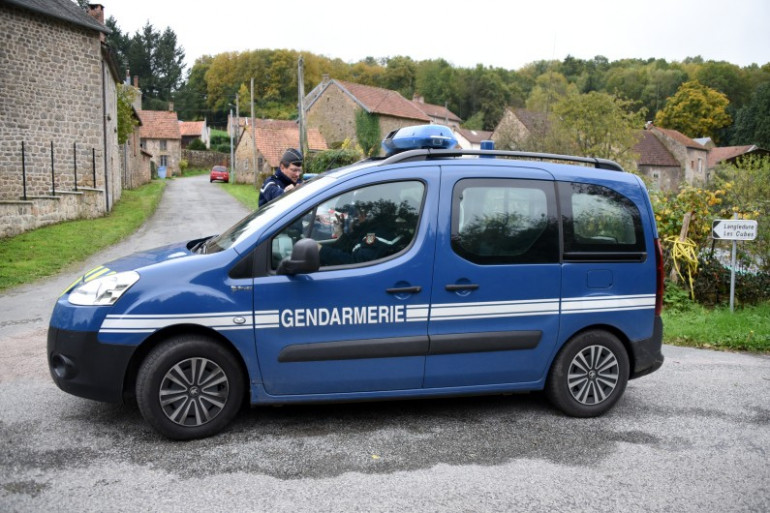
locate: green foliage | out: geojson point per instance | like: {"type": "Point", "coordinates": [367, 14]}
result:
{"type": "Point", "coordinates": [601, 125]}
{"type": "Point", "coordinates": [331, 159]}
{"type": "Point", "coordinates": [695, 110]}
{"type": "Point", "coordinates": [747, 188]}
{"type": "Point", "coordinates": [154, 57]}
{"type": "Point", "coordinates": [126, 119]}
{"type": "Point", "coordinates": [368, 132]}
{"type": "Point", "coordinates": [752, 123]}
{"type": "Point", "coordinates": [675, 298]}
{"type": "Point", "coordinates": [197, 145]}
{"type": "Point", "coordinates": [183, 165]}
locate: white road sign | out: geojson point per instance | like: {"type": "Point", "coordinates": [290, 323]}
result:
{"type": "Point", "coordinates": [734, 229]}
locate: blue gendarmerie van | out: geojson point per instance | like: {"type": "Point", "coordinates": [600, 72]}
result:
{"type": "Point", "coordinates": [434, 271]}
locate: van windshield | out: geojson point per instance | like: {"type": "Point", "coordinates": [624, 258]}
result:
{"type": "Point", "coordinates": [266, 215]}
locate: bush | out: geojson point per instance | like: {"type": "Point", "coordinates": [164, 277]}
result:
{"type": "Point", "coordinates": [712, 286]}
{"type": "Point", "coordinates": [331, 159]}
{"type": "Point", "coordinates": [198, 145]}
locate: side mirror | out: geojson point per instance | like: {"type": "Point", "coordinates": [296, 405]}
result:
{"type": "Point", "coordinates": [305, 258]}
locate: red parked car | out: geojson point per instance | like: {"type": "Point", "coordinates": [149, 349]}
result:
{"type": "Point", "coordinates": [219, 173]}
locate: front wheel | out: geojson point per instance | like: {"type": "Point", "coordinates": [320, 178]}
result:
{"type": "Point", "coordinates": [189, 387]}
{"type": "Point", "coordinates": [589, 374]}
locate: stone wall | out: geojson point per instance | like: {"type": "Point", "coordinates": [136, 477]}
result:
{"type": "Point", "coordinates": [205, 159]}
{"type": "Point", "coordinates": [56, 89]}
{"type": "Point", "coordinates": [17, 217]}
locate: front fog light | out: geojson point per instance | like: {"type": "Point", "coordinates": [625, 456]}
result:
{"type": "Point", "coordinates": [103, 291]}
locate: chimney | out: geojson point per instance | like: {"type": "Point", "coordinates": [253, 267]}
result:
{"type": "Point", "coordinates": [324, 78]}
{"type": "Point", "coordinates": [417, 98]}
{"type": "Point", "coordinates": [171, 106]}
{"type": "Point", "coordinates": [96, 11]}
{"type": "Point", "coordinates": [136, 81]}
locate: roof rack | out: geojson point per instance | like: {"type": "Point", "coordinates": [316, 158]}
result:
{"type": "Point", "coordinates": [427, 154]}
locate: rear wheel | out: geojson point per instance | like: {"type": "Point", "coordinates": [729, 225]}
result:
{"type": "Point", "coordinates": [589, 374]}
{"type": "Point", "coordinates": [189, 387]}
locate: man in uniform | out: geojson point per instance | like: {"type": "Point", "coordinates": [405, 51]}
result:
{"type": "Point", "coordinates": [286, 177]}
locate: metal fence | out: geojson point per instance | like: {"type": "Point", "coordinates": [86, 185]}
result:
{"type": "Point", "coordinates": [88, 175]}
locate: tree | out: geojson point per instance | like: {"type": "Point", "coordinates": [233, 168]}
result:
{"type": "Point", "coordinates": [752, 123]}
{"type": "Point", "coordinates": [549, 89]}
{"type": "Point", "coordinates": [158, 62]}
{"type": "Point", "coordinates": [695, 110]}
{"type": "Point", "coordinates": [400, 75]}
{"type": "Point", "coordinates": [601, 125]}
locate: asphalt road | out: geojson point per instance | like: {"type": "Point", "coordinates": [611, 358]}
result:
{"type": "Point", "coordinates": [694, 436]}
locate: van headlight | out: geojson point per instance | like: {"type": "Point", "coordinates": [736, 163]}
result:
{"type": "Point", "coordinates": [103, 291]}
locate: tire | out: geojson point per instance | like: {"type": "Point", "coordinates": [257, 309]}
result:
{"type": "Point", "coordinates": [589, 374]}
{"type": "Point", "coordinates": [189, 387]}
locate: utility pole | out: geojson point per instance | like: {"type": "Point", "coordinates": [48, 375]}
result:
{"type": "Point", "coordinates": [254, 135]}
{"type": "Point", "coordinates": [301, 106]}
{"type": "Point", "coordinates": [232, 129]}
{"type": "Point", "coordinates": [237, 136]}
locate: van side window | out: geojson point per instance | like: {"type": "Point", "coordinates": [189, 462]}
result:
{"type": "Point", "coordinates": [600, 223]}
{"type": "Point", "coordinates": [503, 221]}
{"type": "Point", "coordinates": [358, 226]}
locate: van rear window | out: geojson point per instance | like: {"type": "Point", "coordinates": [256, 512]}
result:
{"type": "Point", "coordinates": [600, 223]}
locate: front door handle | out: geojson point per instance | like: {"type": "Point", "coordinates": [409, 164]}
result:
{"type": "Point", "coordinates": [404, 290]}
{"type": "Point", "coordinates": [454, 287]}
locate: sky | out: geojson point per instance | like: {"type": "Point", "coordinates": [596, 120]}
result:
{"type": "Point", "coordinates": [500, 33]}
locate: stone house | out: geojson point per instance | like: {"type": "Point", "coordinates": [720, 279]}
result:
{"type": "Point", "coordinates": [159, 135]}
{"type": "Point", "coordinates": [58, 99]}
{"type": "Point", "coordinates": [692, 156]}
{"type": "Point", "coordinates": [471, 139]}
{"type": "Point", "coordinates": [332, 106]}
{"type": "Point", "coordinates": [273, 137]}
{"type": "Point", "coordinates": [191, 130]}
{"type": "Point", "coordinates": [520, 129]}
{"type": "Point", "coordinates": [663, 171]}
{"type": "Point", "coordinates": [438, 114]}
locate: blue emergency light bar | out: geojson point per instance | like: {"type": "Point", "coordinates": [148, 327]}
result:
{"type": "Point", "coordinates": [419, 137]}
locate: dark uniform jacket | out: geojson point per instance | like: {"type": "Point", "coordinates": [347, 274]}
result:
{"type": "Point", "coordinates": [274, 186]}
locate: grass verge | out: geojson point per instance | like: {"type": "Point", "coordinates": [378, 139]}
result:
{"type": "Point", "coordinates": [745, 329]}
{"type": "Point", "coordinates": [46, 251]}
{"type": "Point", "coordinates": [246, 194]}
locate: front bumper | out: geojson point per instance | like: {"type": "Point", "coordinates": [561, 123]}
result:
{"type": "Point", "coordinates": [82, 366]}
{"type": "Point", "coordinates": [647, 354]}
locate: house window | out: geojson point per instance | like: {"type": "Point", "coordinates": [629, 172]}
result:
{"type": "Point", "coordinates": [164, 160]}
{"type": "Point", "coordinates": [163, 144]}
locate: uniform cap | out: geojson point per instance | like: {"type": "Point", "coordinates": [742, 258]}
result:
{"type": "Point", "coordinates": [292, 156]}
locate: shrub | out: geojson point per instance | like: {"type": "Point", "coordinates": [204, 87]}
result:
{"type": "Point", "coordinates": [198, 145]}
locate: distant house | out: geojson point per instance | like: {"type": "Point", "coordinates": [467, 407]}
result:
{"type": "Point", "coordinates": [520, 129]}
{"type": "Point", "coordinates": [731, 154]}
{"type": "Point", "coordinates": [160, 136]}
{"type": "Point", "coordinates": [692, 156]}
{"type": "Point", "coordinates": [471, 139]}
{"type": "Point", "coordinates": [332, 106]}
{"type": "Point", "coordinates": [438, 114]}
{"type": "Point", "coordinates": [191, 130]}
{"type": "Point", "coordinates": [58, 84]}
{"type": "Point", "coordinates": [657, 163]}
{"type": "Point", "coordinates": [273, 137]}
